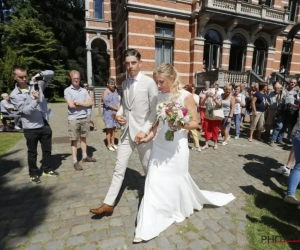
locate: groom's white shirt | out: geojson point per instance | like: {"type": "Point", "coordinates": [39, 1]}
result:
{"type": "Point", "coordinates": [140, 112]}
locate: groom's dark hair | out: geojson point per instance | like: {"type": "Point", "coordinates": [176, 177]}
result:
{"type": "Point", "coordinates": [132, 52]}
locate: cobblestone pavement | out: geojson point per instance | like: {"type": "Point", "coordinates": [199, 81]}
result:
{"type": "Point", "coordinates": [55, 214]}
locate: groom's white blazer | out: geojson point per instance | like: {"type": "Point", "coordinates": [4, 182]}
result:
{"type": "Point", "coordinates": [140, 112]}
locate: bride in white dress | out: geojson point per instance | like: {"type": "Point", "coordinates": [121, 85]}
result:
{"type": "Point", "coordinates": [170, 193]}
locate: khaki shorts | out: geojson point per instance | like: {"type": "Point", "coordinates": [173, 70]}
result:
{"type": "Point", "coordinates": [271, 117]}
{"type": "Point", "coordinates": [78, 128]}
{"type": "Point", "coordinates": [258, 121]}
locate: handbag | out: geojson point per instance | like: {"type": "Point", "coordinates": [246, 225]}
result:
{"type": "Point", "coordinates": [213, 112]}
{"type": "Point", "coordinates": [218, 114]}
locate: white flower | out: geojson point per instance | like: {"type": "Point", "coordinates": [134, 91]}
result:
{"type": "Point", "coordinates": [179, 114]}
{"type": "Point", "coordinates": [186, 119]}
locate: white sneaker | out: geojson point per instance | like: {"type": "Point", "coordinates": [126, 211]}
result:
{"type": "Point", "coordinates": [111, 148]}
{"type": "Point", "coordinates": [196, 149]}
{"type": "Point", "coordinates": [291, 199]}
{"type": "Point", "coordinates": [115, 147]}
{"type": "Point", "coordinates": [18, 128]}
{"type": "Point", "coordinates": [282, 170]}
{"type": "Point", "coordinates": [237, 137]}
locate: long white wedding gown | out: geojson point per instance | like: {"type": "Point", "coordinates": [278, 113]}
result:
{"type": "Point", "coordinates": [170, 192]}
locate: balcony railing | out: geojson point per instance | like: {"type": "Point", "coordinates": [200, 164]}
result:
{"type": "Point", "coordinates": [248, 9]}
{"type": "Point", "coordinates": [225, 77]}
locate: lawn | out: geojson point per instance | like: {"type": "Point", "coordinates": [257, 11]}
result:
{"type": "Point", "coordinates": [272, 220]}
{"type": "Point", "coordinates": [8, 140]}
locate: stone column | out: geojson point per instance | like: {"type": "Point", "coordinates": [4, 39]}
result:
{"type": "Point", "coordinates": [89, 67]}
{"type": "Point", "coordinates": [269, 67]}
{"type": "Point", "coordinates": [249, 57]}
{"type": "Point", "coordinates": [225, 55]}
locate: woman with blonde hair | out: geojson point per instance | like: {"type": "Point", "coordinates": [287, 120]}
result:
{"type": "Point", "coordinates": [170, 192]}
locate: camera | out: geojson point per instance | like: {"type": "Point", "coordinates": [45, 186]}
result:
{"type": "Point", "coordinates": [39, 78]}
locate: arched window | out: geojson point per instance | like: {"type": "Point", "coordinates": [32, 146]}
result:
{"type": "Point", "coordinates": [212, 47]}
{"type": "Point", "coordinates": [259, 56]}
{"type": "Point", "coordinates": [237, 52]}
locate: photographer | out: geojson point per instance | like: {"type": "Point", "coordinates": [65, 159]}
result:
{"type": "Point", "coordinates": [29, 100]}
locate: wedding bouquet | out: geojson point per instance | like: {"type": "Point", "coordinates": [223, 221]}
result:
{"type": "Point", "coordinates": [173, 112]}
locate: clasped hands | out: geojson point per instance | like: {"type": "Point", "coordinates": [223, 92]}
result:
{"type": "Point", "coordinates": [141, 136]}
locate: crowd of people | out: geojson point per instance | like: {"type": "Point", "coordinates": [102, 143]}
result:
{"type": "Point", "coordinates": [170, 193]}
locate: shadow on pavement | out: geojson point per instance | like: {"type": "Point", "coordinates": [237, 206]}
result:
{"type": "Point", "coordinates": [57, 160]}
{"type": "Point", "coordinates": [260, 168]}
{"type": "Point", "coordinates": [133, 180]}
{"type": "Point", "coordinates": [286, 216]}
{"type": "Point", "coordinates": [23, 208]}
{"type": "Point", "coordinates": [90, 151]}
{"type": "Point", "coordinates": [9, 165]}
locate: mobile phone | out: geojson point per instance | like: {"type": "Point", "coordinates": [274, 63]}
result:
{"type": "Point", "coordinates": [36, 87]}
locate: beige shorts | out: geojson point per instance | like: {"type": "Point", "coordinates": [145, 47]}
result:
{"type": "Point", "coordinates": [78, 128]}
{"type": "Point", "coordinates": [258, 121]}
{"type": "Point", "coordinates": [271, 117]}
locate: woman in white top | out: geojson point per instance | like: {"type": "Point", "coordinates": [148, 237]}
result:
{"type": "Point", "coordinates": [237, 112]}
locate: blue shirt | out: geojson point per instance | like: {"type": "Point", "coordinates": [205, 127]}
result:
{"type": "Point", "coordinates": [76, 95]}
{"type": "Point", "coordinates": [261, 101]}
{"type": "Point", "coordinates": [32, 113]}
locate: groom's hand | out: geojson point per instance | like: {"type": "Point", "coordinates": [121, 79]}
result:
{"type": "Point", "coordinates": [139, 137]}
{"type": "Point", "coordinates": [121, 119]}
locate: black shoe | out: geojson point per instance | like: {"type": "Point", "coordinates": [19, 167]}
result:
{"type": "Point", "coordinates": [51, 173]}
{"type": "Point", "coordinates": [35, 179]}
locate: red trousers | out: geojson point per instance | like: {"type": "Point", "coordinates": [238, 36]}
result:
{"type": "Point", "coordinates": [211, 129]}
{"type": "Point", "coordinates": [202, 113]}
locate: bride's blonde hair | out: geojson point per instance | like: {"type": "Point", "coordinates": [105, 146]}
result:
{"type": "Point", "coordinates": [170, 72]}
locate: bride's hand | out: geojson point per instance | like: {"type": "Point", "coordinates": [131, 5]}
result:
{"type": "Point", "coordinates": [175, 128]}
{"type": "Point", "coordinates": [147, 138]}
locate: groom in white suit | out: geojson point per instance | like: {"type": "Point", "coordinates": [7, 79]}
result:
{"type": "Point", "coordinates": [136, 116]}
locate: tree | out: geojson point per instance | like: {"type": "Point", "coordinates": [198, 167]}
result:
{"type": "Point", "coordinates": [7, 83]}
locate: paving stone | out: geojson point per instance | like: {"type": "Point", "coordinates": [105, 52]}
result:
{"type": "Point", "coordinates": [227, 236]}
{"type": "Point", "coordinates": [116, 222]}
{"type": "Point", "coordinates": [212, 237]}
{"type": "Point", "coordinates": [76, 240]}
{"type": "Point", "coordinates": [17, 231]}
{"type": "Point", "coordinates": [67, 214]}
{"type": "Point", "coordinates": [192, 236]}
{"type": "Point", "coordinates": [77, 204]}
{"type": "Point", "coordinates": [164, 243]}
{"type": "Point", "coordinates": [179, 241]}
{"type": "Point", "coordinates": [17, 222]}
{"type": "Point", "coordinates": [16, 242]}
{"type": "Point", "coordinates": [62, 233]}
{"type": "Point", "coordinates": [100, 224]}
{"type": "Point", "coordinates": [241, 239]}
{"type": "Point", "coordinates": [82, 211]}
{"type": "Point", "coordinates": [42, 237]}
{"type": "Point", "coordinates": [55, 245]}
{"type": "Point", "coordinates": [212, 224]}
{"type": "Point", "coordinates": [115, 231]}
{"type": "Point", "coordinates": [226, 223]}
{"type": "Point", "coordinates": [91, 246]}
{"type": "Point", "coordinates": [81, 229]}
{"type": "Point", "coordinates": [34, 247]}
{"type": "Point", "coordinates": [97, 236]}
{"type": "Point", "coordinates": [223, 246]}
{"type": "Point", "coordinates": [199, 244]}
{"type": "Point", "coordinates": [112, 243]}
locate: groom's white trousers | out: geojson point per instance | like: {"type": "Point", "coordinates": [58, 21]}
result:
{"type": "Point", "coordinates": [124, 151]}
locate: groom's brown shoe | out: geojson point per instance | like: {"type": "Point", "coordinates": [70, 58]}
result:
{"type": "Point", "coordinates": [104, 209]}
